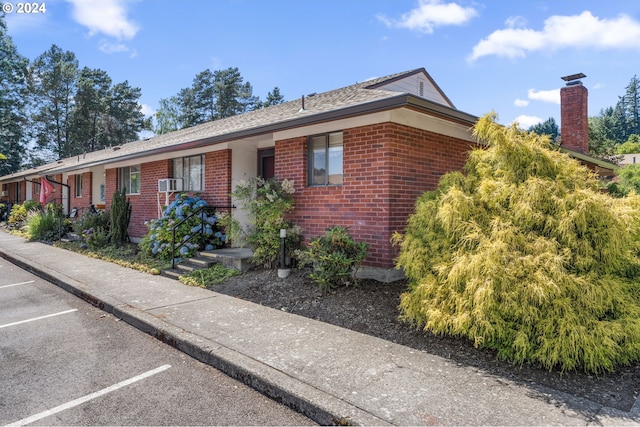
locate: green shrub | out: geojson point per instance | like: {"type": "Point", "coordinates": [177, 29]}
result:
{"type": "Point", "coordinates": [158, 240]}
{"type": "Point", "coordinates": [96, 237]}
{"type": "Point", "coordinates": [90, 221]}
{"type": "Point", "coordinates": [211, 276]}
{"type": "Point", "coordinates": [526, 256]}
{"type": "Point", "coordinates": [267, 203]}
{"type": "Point", "coordinates": [34, 205]}
{"type": "Point", "coordinates": [335, 258]}
{"type": "Point", "coordinates": [17, 216]}
{"type": "Point", "coordinates": [47, 226]}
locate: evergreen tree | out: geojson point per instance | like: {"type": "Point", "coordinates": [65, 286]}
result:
{"type": "Point", "coordinates": [13, 91]}
{"type": "Point", "coordinates": [629, 109]}
{"type": "Point", "coordinates": [212, 96]}
{"type": "Point", "coordinates": [52, 84]}
{"type": "Point", "coordinates": [548, 127]}
{"type": "Point", "coordinates": [233, 96]}
{"type": "Point", "coordinates": [273, 98]}
{"type": "Point", "coordinates": [204, 97]}
{"type": "Point", "coordinates": [90, 110]}
{"type": "Point", "coordinates": [125, 114]}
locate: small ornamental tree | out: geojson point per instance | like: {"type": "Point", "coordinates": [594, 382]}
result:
{"type": "Point", "coordinates": [523, 254]}
{"type": "Point", "coordinates": [267, 203]}
{"type": "Point", "coordinates": [158, 240]}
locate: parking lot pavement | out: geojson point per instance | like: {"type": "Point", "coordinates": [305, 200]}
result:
{"type": "Point", "coordinates": [65, 362]}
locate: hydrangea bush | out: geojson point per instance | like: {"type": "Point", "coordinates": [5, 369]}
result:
{"type": "Point", "coordinates": [158, 240]}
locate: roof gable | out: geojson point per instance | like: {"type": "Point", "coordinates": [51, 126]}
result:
{"type": "Point", "coordinates": [416, 82]}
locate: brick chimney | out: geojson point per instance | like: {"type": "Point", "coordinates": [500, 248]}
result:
{"type": "Point", "coordinates": [574, 119]}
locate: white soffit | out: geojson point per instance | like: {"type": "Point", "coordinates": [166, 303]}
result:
{"type": "Point", "coordinates": [417, 120]}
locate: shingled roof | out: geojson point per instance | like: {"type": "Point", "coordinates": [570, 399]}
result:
{"type": "Point", "coordinates": [356, 99]}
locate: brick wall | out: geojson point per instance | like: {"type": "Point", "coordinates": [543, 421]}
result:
{"type": "Point", "coordinates": [86, 197]}
{"type": "Point", "coordinates": [386, 167]}
{"type": "Point", "coordinates": [217, 180]}
{"type": "Point", "coordinates": [574, 119]}
{"type": "Point", "coordinates": [144, 206]}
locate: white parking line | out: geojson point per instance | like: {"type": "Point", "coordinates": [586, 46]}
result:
{"type": "Point", "coordinates": [17, 284]}
{"type": "Point", "coordinates": [88, 397]}
{"type": "Point", "coordinates": [38, 318]}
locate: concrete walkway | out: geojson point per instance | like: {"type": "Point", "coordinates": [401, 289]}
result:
{"type": "Point", "coordinates": [332, 375]}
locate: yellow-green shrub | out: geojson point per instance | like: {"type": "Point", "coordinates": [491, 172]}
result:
{"type": "Point", "coordinates": [524, 255]}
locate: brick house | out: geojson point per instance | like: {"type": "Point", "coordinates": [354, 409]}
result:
{"type": "Point", "coordinates": [359, 157]}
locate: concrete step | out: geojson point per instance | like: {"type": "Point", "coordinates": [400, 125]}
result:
{"type": "Point", "coordinates": [200, 261]}
{"type": "Point", "coordinates": [185, 267]}
{"type": "Point", "coordinates": [238, 258]}
{"type": "Point", "coordinates": [172, 274]}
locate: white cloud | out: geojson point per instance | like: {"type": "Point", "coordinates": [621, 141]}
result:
{"type": "Point", "coordinates": [109, 48]}
{"type": "Point", "coordinates": [598, 86]}
{"type": "Point", "coordinates": [515, 22]}
{"type": "Point", "coordinates": [525, 122]}
{"type": "Point", "coordinates": [108, 17]}
{"type": "Point", "coordinates": [147, 110]}
{"type": "Point", "coordinates": [520, 102]}
{"type": "Point", "coordinates": [559, 32]}
{"type": "Point", "coordinates": [550, 96]}
{"type": "Point", "coordinates": [430, 14]}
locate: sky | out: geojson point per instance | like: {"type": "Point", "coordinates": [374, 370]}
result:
{"type": "Point", "coordinates": [486, 55]}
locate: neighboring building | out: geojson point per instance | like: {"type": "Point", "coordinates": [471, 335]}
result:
{"type": "Point", "coordinates": [630, 159]}
{"type": "Point", "coordinates": [359, 156]}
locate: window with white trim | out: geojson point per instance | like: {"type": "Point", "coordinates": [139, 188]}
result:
{"type": "Point", "coordinates": [191, 170]}
{"type": "Point", "coordinates": [78, 185]}
{"type": "Point", "coordinates": [325, 159]}
{"type": "Point", "coordinates": [129, 179]}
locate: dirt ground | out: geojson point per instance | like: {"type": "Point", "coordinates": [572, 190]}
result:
{"type": "Point", "coordinates": [372, 308]}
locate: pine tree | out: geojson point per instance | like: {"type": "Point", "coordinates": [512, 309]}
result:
{"type": "Point", "coordinates": [13, 69]}
{"type": "Point", "coordinates": [52, 85]}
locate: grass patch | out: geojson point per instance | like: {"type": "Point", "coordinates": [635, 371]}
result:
{"type": "Point", "coordinates": [213, 275]}
{"type": "Point", "coordinates": [128, 255]}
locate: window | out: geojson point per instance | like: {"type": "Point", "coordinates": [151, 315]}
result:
{"type": "Point", "coordinates": [78, 185]}
{"type": "Point", "coordinates": [129, 179]}
{"type": "Point", "coordinates": [190, 169]}
{"type": "Point", "coordinates": [325, 159]}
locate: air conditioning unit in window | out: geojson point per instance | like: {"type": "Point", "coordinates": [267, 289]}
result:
{"type": "Point", "coordinates": [5, 193]}
{"type": "Point", "coordinates": [169, 185]}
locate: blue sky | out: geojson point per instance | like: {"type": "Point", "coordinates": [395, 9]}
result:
{"type": "Point", "coordinates": [501, 55]}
